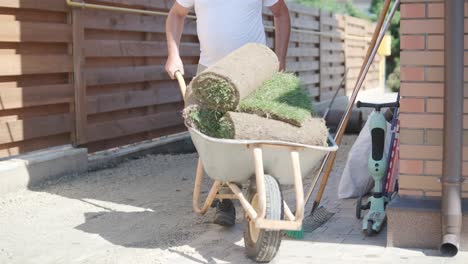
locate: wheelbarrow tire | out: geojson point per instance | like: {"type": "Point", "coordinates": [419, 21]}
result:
{"type": "Point", "coordinates": [267, 242]}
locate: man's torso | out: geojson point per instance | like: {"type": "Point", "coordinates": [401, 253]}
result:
{"type": "Point", "coordinates": [226, 25]}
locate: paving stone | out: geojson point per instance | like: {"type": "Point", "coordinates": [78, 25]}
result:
{"type": "Point", "coordinates": [403, 253]}
{"type": "Point", "coordinates": [459, 259]}
{"type": "Point", "coordinates": [319, 230]}
{"type": "Point", "coordinates": [348, 203]}
{"type": "Point", "coordinates": [300, 251]}
{"type": "Point", "coordinates": [351, 212]}
{"type": "Point", "coordinates": [355, 240]}
{"type": "Point", "coordinates": [356, 231]}
{"type": "Point", "coordinates": [427, 260]}
{"type": "Point", "coordinates": [369, 253]}
{"type": "Point", "coordinates": [324, 238]}
{"type": "Point", "coordinates": [348, 220]}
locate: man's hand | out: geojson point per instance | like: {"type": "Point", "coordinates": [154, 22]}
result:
{"type": "Point", "coordinates": [174, 27]}
{"type": "Point", "coordinates": [282, 31]}
{"type": "Point", "coordinates": [173, 64]}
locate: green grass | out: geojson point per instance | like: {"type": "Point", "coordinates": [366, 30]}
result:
{"type": "Point", "coordinates": [226, 128]}
{"type": "Point", "coordinates": [282, 98]}
{"type": "Point", "coordinates": [211, 123]}
{"type": "Point", "coordinates": [215, 92]}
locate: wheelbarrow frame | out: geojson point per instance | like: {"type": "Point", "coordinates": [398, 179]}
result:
{"type": "Point", "coordinates": [257, 215]}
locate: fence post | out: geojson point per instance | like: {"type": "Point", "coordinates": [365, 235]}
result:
{"type": "Point", "coordinates": [346, 44]}
{"type": "Point", "coordinates": [320, 56]}
{"type": "Point", "coordinates": [80, 115]}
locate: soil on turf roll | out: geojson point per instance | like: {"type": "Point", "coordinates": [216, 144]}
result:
{"type": "Point", "coordinates": [249, 126]}
{"type": "Point", "coordinates": [235, 77]}
{"type": "Point", "coordinates": [190, 99]}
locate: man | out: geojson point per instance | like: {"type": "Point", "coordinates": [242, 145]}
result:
{"type": "Point", "coordinates": [224, 26]}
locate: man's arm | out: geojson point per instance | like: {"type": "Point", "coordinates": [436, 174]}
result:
{"type": "Point", "coordinates": [282, 31]}
{"type": "Point", "coordinates": [174, 28]}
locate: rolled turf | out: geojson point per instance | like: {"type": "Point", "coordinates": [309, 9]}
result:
{"type": "Point", "coordinates": [247, 126]}
{"type": "Point", "coordinates": [233, 125]}
{"type": "Point", "coordinates": [233, 78]}
{"type": "Point", "coordinates": [282, 98]}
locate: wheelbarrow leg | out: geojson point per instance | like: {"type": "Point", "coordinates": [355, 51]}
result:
{"type": "Point", "coordinates": [197, 189]}
{"type": "Point", "coordinates": [244, 202]}
{"type": "Point", "coordinates": [295, 221]}
{"type": "Point", "coordinates": [258, 214]}
{"type": "Point", "coordinates": [260, 180]}
{"type": "Point", "coordinates": [260, 183]}
{"type": "Point", "coordinates": [296, 168]}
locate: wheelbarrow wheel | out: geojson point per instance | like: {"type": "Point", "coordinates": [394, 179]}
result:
{"type": "Point", "coordinates": [262, 245]}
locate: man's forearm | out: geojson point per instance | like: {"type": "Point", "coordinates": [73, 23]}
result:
{"type": "Point", "coordinates": [282, 33]}
{"type": "Point", "coordinates": [174, 28]}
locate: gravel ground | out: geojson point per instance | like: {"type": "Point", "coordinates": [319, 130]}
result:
{"type": "Point", "coordinates": [141, 212]}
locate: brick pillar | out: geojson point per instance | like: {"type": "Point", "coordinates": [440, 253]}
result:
{"type": "Point", "coordinates": [422, 91]}
{"type": "Point", "coordinates": [414, 217]}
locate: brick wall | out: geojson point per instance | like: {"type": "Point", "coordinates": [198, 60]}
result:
{"type": "Point", "coordinates": [422, 92]}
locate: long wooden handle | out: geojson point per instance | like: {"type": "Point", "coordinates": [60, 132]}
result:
{"type": "Point", "coordinates": [182, 84]}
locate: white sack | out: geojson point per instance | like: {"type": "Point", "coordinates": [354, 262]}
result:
{"type": "Point", "coordinates": [355, 180]}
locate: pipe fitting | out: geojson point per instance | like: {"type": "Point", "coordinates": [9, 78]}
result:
{"type": "Point", "coordinates": [450, 244]}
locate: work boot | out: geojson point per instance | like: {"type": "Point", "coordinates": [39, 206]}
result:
{"type": "Point", "coordinates": [225, 213]}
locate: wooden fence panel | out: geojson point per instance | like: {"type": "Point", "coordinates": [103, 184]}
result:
{"type": "Point", "coordinates": [36, 88]}
{"type": "Point", "coordinates": [374, 71]}
{"type": "Point", "coordinates": [359, 34]}
{"type": "Point", "coordinates": [303, 53]}
{"type": "Point", "coordinates": [129, 96]}
{"type": "Point", "coordinates": [47, 5]}
{"type": "Point", "coordinates": [332, 55]}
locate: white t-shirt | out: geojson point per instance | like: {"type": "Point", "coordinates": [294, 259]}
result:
{"type": "Point", "coordinates": [226, 25]}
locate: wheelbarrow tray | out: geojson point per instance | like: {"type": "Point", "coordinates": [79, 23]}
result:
{"type": "Point", "coordinates": [231, 160]}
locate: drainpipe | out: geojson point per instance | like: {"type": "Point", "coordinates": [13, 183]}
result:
{"type": "Point", "coordinates": [453, 128]}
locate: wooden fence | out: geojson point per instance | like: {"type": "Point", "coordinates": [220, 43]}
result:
{"type": "Point", "coordinates": [96, 78]}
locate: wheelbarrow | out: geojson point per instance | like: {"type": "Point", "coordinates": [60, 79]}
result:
{"type": "Point", "coordinates": [264, 165]}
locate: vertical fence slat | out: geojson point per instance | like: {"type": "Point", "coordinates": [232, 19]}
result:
{"type": "Point", "coordinates": [79, 81]}
{"type": "Point", "coordinates": [320, 71]}
{"type": "Point", "coordinates": [332, 55]}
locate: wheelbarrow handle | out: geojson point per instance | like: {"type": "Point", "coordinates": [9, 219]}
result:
{"type": "Point", "coordinates": [182, 84]}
